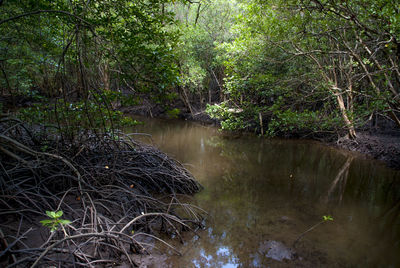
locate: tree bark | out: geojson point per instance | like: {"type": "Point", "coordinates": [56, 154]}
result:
{"type": "Point", "coordinates": [343, 111]}
{"type": "Point", "coordinates": [186, 100]}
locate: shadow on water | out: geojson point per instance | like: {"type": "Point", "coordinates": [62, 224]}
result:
{"type": "Point", "coordinates": [262, 193]}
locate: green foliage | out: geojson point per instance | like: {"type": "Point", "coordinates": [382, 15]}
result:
{"type": "Point", "coordinates": [200, 34]}
{"type": "Point", "coordinates": [327, 218]}
{"type": "Point", "coordinates": [66, 49]}
{"type": "Point", "coordinates": [73, 118]}
{"type": "Point", "coordinates": [173, 113]}
{"type": "Point", "coordinates": [55, 220]}
{"type": "Point", "coordinates": [232, 119]}
{"type": "Point", "coordinates": [297, 63]}
{"type": "Point", "coordinates": [290, 60]}
{"type": "Point", "coordinates": [289, 121]}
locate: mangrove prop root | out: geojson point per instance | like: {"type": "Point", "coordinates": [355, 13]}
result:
{"type": "Point", "coordinates": [108, 188]}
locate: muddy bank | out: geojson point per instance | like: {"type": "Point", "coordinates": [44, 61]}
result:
{"type": "Point", "coordinates": [382, 146]}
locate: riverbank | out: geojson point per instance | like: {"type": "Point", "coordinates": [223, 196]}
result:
{"type": "Point", "coordinates": [382, 145]}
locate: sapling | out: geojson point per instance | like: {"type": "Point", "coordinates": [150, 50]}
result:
{"type": "Point", "coordinates": [324, 219]}
{"type": "Point", "coordinates": [54, 220]}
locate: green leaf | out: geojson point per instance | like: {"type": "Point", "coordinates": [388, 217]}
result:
{"type": "Point", "coordinates": [64, 222]}
{"type": "Point", "coordinates": [49, 213]}
{"type": "Point", "coordinates": [46, 222]}
{"type": "Point", "coordinates": [327, 218]}
{"type": "Point", "coordinates": [59, 214]}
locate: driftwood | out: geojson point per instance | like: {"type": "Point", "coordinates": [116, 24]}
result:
{"type": "Point", "coordinates": [115, 191]}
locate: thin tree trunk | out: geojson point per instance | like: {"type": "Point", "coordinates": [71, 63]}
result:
{"type": "Point", "coordinates": [201, 101]}
{"type": "Point", "coordinates": [105, 76]}
{"type": "Point", "coordinates": [347, 121]}
{"type": "Point", "coordinates": [221, 93]}
{"type": "Point", "coordinates": [186, 100]}
{"type": "Point", "coordinates": [261, 124]}
{"type": "Point", "coordinates": [197, 14]}
{"type": "Point", "coordinates": [349, 124]}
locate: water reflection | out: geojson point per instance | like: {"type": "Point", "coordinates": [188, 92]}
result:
{"type": "Point", "coordinates": [258, 191]}
{"type": "Point", "coordinates": [224, 257]}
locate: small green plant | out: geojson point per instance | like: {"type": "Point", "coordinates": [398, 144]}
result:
{"type": "Point", "coordinates": [325, 218]}
{"type": "Point", "coordinates": [54, 220]}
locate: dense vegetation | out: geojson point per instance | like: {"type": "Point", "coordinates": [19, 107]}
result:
{"type": "Point", "coordinates": [300, 66]}
{"type": "Point", "coordinates": [276, 67]}
{"type": "Point", "coordinates": [77, 59]}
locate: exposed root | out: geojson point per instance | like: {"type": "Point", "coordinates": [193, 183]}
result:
{"type": "Point", "coordinates": [109, 187]}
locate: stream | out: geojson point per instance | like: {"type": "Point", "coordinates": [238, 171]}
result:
{"type": "Point", "coordinates": [261, 194]}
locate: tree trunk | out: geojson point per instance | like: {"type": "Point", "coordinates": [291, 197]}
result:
{"type": "Point", "coordinates": [197, 14]}
{"type": "Point", "coordinates": [105, 76]}
{"type": "Point", "coordinates": [186, 100]}
{"type": "Point", "coordinates": [347, 121]}
{"type": "Point", "coordinates": [261, 124]}
{"type": "Point", "coordinates": [221, 92]}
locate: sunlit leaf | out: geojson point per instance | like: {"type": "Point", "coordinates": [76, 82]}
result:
{"type": "Point", "coordinates": [59, 214]}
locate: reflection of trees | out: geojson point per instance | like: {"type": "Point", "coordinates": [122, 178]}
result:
{"type": "Point", "coordinates": [248, 187]}
{"type": "Point", "coordinates": [340, 180]}
{"type": "Point", "coordinates": [260, 172]}
{"type": "Point", "coordinates": [389, 222]}
{"type": "Point", "coordinates": [300, 168]}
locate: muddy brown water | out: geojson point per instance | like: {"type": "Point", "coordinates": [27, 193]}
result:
{"type": "Point", "coordinates": [261, 194]}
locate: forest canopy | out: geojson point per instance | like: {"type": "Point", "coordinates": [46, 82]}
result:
{"type": "Point", "coordinates": [74, 59]}
{"type": "Point", "coordinates": [275, 67]}
{"type": "Point", "coordinates": [297, 66]}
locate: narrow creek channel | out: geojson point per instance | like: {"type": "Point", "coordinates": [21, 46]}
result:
{"type": "Point", "coordinates": [261, 194]}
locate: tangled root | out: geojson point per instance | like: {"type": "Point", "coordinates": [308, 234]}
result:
{"type": "Point", "coordinates": [117, 193]}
